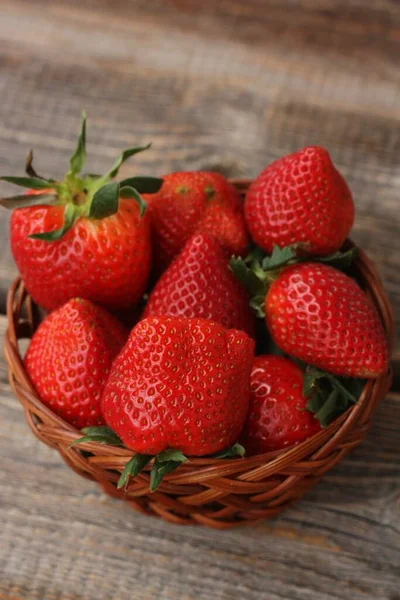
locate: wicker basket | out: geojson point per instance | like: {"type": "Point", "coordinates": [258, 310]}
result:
{"type": "Point", "coordinates": [218, 493]}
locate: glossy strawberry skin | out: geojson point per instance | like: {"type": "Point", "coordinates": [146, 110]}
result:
{"type": "Point", "coordinates": [69, 358]}
{"type": "Point", "coordinates": [179, 383]}
{"type": "Point", "coordinates": [195, 202]}
{"type": "Point", "coordinates": [300, 199]}
{"type": "Point", "coordinates": [200, 284]}
{"type": "Point", "coordinates": [106, 261]}
{"type": "Point", "coordinates": [277, 416]}
{"type": "Point", "coordinates": [321, 316]}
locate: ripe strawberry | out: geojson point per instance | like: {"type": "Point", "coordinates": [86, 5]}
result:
{"type": "Point", "coordinates": [199, 284]}
{"type": "Point", "coordinates": [300, 199]}
{"type": "Point", "coordinates": [82, 236]}
{"type": "Point", "coordinates": [195, 202]}
{"type": "Point", "coordinates": [179, 383]}
{"type": "Point", "coordinates": [69, 358]}
{"type": "Point", "coordinates": [315, 312]}
{"type": "Point", "coordinates": [277, 416]}
{"type": "Point", "coordinates": [321, 316]}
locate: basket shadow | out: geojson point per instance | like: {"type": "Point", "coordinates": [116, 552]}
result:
{"type": "Point", "coordinates": [372, 471]}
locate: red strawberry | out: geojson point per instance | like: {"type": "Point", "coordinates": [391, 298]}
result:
{"type": "Point", "coordinates": [321, 316]}
{"type": "Point", "coordinates": [200, 284]}
{"type": "Point", "coordinates": [82, 236]}
{"type": "Point", "coordinates": [106, 261]}
{"type": "Point", "coordinates": [300, 199]}
{"type": "Point", "coordinates": [277, 416]}
{"type": "Point", "coordinates": [195, 202]}
{"type": "Point", "coordinates": [179, 383]}
{"type": "Point", "coordinates": [69, 358]}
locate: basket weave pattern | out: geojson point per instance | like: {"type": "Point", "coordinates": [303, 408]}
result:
{"type": "Point", "coordinates": [220, 493]}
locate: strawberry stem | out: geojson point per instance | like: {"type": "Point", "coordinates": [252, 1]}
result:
{"type": "Point", "coordinates": [89, 196]}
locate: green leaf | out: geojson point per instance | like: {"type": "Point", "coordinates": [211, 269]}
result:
{"type": "Point", "coordinates": [102, 435]}
{"type": "Point", "coordinates": [29, 200]}
{"type": "Point", "coordinates": [171, 454]}
{"type": "Point", "coordinates": [105, 201]}
{"type": "Point", "coordinates": [329, 409]}
{"type": "Point", "coordinates": [159, 470]}
{"type": "Point", "coordinates": [255, 255]}
{"type": "Point", "coordinates": [130, 192]}
{"type": "Point", "coordinates": [329, 396]}
{"type": "Point", "coordinates": [100, 439]}
{"type": "Point", "coordinates": [29, 170]}
{"type": "Point", "coordinates": [257, 303]}
{"type": "Point", "coordinates": [101, 430]}
{"type": "Point", "coordinates": [315, 402]}
{"type": "Point", "coordinates": [278, 258]}
{"type": "Point", "coordinates": [247, 277]}
{"type": "Point", "coordinates": [235, 450]}
{"type": "Point", "coordinates": [345, 393]}
{"type": "Point", "coordinates": [92, 176]}
{"type": "Point", "coordinates": [51, 236]}
{"type": "Point", "coordinates": [34, 183]}
{"type": "Point", "coordinates": [78, 158]}
{"type": "Point", "coordinates": [340, 260]}
{"type": "Point", "coordinates": [310, 380]}
{"type": "Point", "coordinates": [113, 172]}
{"type": "Point", "coordinates": [144, 185]}
{"type": "Point", "coordinates": [353, 386]}
{"type": "Point", "coordinates": [133, 468]}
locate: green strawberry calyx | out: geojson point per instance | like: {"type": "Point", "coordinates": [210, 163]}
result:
{"type": "Point", "coordinates": [83, 195]}
{"type": "Point", "coordinates": [329, 396]}
{"type": "Point", "coordinates": [258, 270]}
{"type": "Point", "coordinates": [163, 463]}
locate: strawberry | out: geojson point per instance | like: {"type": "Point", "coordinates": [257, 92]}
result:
{"type": "Point", "coordinates": [321, 316]}
{"type": "Point", "coordinates": [277, 417]}
{"type": "Point", "coordinates": [69, 358]}
{"type": "Point", "coordinates": [199, 284]}
{"type": "Point", "coordinates": [317, 314]}
{"type": "Point", "coordinates": [82, 236]}
{"type": "Point", "coordinates": [195, 202]}
{"type": "Point", "coordinates": [179, 383]}
{"type": "Point", "coordinates": [300, 199]}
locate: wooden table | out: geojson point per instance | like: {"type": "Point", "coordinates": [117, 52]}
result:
{"type": "Point", "coordinates": [228, 85]}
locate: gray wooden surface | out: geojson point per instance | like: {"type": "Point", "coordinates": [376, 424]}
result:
{"type": "Point", "coordinates": [228, 85]}
{"type": "Point", "coordinates": [62, 539]}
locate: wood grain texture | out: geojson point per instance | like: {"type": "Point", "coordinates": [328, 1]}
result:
{"type": "Point", "coordinates": [62, 539]}
{"type": "Point", "coordinates": [227, 85]}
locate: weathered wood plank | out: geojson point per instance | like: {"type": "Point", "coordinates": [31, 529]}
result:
{"type": "Point", "coordinates": [62, 539]}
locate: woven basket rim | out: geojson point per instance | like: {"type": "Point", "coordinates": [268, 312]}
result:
{"type": "Point", "coordinates": [55, 430]}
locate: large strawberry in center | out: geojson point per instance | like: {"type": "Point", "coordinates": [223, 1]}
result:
{"type": "Point", "coordinates": [82, 236]}
{"type": "Point", "coordinates": [179, 383]}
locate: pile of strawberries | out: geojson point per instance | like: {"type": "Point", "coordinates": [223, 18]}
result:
{"type": "Point", "coordinates": [183, 323]}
